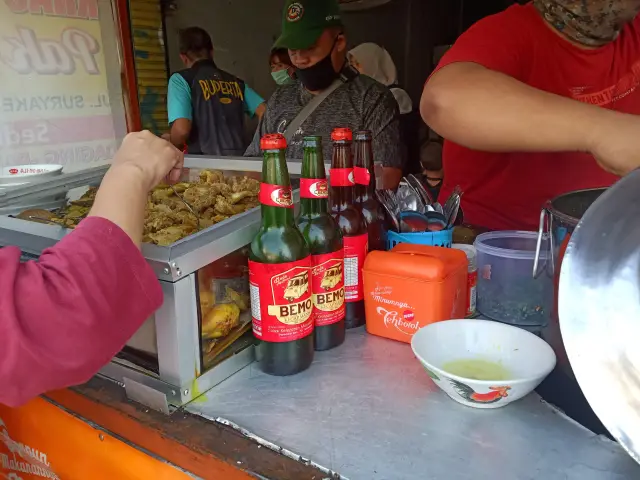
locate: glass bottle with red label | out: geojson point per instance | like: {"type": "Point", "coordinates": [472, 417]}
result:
{"type": "Point", "coordinates": [324, 238]}
{"type": "Point", "coordinates": [279, 273]}
{"type": "Point", "coordinates": [351, 223]}
{"type": "Point", "coordinates": [365, 189]}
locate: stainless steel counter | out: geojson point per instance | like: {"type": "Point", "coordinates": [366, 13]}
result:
{"type": "Point", "coordinates": [368, 410]}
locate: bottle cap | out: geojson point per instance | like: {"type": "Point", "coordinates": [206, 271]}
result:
{"type": "Point", "coordinates": [273, 141]}
{"type": "Point", "coordinates": [341, 134]}
{"type": "Point", "coordinates": [363, 135]}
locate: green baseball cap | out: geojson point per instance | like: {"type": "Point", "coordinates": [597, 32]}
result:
{"type": "Point", "coordinates": [303, 21]}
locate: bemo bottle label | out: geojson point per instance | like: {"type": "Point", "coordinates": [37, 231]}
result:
{"type": "Point", "coordinates": [281, 304]}
{"type": "Point", "coordinates": [355, 251]}
{"type": "Point", "coordinates": [327, 288]}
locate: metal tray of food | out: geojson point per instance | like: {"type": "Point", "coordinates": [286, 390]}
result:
{"type": "Point", "coordinates": [223, 191]}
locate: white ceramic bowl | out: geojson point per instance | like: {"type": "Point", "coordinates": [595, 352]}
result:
{"type": "Point", "coordinates": [20, 174]}
{"type": "Point", "coordinates": [526, 359]}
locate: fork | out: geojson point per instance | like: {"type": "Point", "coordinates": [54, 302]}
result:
{"type": "Point", "coordinates": [187, 204]}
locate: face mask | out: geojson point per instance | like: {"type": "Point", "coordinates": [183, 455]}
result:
{"type": "Point", "coordinates": [319, 76]}
{"type": "Point", "coordinates": [281, 77]}
{"type": "Point", "coordinates": [592, 23]}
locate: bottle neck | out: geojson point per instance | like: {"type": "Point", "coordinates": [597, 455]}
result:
{"type": "Point", "coordinates": [275, 172]}
{"type": "Point", "coordinates": [313, 206]}
{"type": "Point", "coordinates": [364, 159]}
{"type": "Point", "coordinates": [341, 197]}
{"type": "Point", "coordinates": [313, 168]}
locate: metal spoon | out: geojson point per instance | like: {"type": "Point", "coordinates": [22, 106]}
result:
{"type": "Point", "coordinates": [408, 199]}
{"type": "Point", "coordinates": [390, 200]}
{"type": "Point", "coordinates": [412, 222]}
{"type": "Point", "coordinates": [419, 187]}
{"type": "Point", "coordinates": [452, 213]}
{"type": "Point", "coordinates": [415, 193]}
{"type": "Point", "coordinates": [437, 221]}
{"type": "Point", "coordinates": [389, 209]}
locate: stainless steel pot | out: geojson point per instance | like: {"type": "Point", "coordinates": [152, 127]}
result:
{"type": "Point", "coordinates": [558, 219]}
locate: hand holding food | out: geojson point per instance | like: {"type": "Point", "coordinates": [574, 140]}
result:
{"type": "Point", "coordinates": [155, 158]}
{"type": "Point", "coordinates": [142, 162]}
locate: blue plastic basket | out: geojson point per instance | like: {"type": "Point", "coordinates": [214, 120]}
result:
{"type": "Point", "coordinates": [443, 238]}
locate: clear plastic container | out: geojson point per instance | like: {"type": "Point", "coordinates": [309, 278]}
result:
{"type": "Point", "coordinates": [507, 291]}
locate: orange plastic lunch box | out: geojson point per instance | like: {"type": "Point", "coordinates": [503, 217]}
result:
{"type": "Point", "coordinates": [412, 286]}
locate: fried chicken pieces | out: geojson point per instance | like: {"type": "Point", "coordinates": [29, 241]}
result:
{"type": "Point", "coordinates": [214, 197]}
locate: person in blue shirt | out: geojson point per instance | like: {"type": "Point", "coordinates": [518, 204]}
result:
{"type": "Point", "coordinates": [207, 105]}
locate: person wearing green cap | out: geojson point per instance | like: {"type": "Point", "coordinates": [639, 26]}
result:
{"type": "Point", "coordinates": [313, 34]}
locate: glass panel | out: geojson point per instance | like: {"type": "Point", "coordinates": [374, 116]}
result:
{"type": "Point", "coordinates": [61, 100]}
{"type": "Point", "coordinates": [223, 304]}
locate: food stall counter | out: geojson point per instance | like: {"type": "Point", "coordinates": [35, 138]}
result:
{"type": "Point", "coordinates": [368, 410]}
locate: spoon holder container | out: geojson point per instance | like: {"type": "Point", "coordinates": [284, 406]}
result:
{"type": "Point", "coordinates": [443, 238]}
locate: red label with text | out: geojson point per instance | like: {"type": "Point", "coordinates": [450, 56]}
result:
{"type": "Point", "coordinates": [361, 175]}
{"type": "Point", "coordinates": [327, 288]}
{"type": "Point", "coordinates": [472, 282]}
{"type": "Point", "coordinates": [281, 305]}
{"type": "Point", "coordinates": [314, 188]}
{"type": "Point", "coordinates": [342, 177]}
{"type": "Point", "coordinates": [275, 195]}
{"type": "Point", "coordinates": [355, 251]}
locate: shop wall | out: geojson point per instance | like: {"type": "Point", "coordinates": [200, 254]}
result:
{"type": "Point", "coordinates": [150, 63]}
{"type": "Point", "coordinates": [244, 30]}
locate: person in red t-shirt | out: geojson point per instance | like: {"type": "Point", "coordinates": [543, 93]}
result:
{"type": "Point", "coordinates": [534, 102]}
{"type": "Point", "coordinates": [65, 316]}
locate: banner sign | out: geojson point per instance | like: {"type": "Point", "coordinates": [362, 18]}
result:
{"type": "Point", "coordinates": [41, 441]}
{"type": "Point", "coordinates": [54, 100]}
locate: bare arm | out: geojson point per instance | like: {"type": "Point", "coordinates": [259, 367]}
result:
{"type": "Point", "coordinates": [261, 109]}
{"type": "Point", "coordinates": [487, 110]}
{"type": "Point", "coordinates": [66, 315]}
{"type": "Point", "coordinates": [180, 130]}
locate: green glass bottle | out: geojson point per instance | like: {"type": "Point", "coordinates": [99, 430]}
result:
{"type": "Point", "coordinates": [325, 242]}
{"type": "Point", "coordinates": [279, 273]}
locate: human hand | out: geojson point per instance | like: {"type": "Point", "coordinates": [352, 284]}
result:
{"type": "Point", "coordinates": [616, 145]}
{"type": "Point", "coordinates": [155, 159]}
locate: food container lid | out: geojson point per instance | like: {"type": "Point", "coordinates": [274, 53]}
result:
{"type": "Point", "coordinates": [273, 141]}
{"type": "Point", "coordinates": [417, 262]}
{"type": "Point", "coordinates": [341, 134]}
{"type": "Point", "coordinates": [470, 252]}
{"type": "Point", "coordinates": [512, 244]}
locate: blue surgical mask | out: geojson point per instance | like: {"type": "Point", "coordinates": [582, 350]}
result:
{"type": "Point", "coordinates": [281, 77]}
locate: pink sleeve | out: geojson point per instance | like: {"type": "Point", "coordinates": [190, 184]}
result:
{"type": "Point", "coordinates": [65, 316]}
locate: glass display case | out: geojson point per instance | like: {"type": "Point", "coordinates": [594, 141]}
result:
{"type": "Point", "coordinates": [202, 333]}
